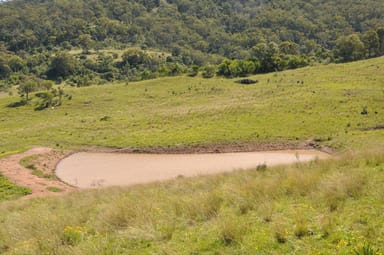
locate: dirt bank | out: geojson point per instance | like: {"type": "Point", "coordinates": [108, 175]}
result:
{"type": "Point", "coordinates": [41, 187]}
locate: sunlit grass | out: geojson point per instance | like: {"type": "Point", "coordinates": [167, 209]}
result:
{"type": "Point", "coordinates": [9, 191]}
{"type": "Point", "coordinates": [206, 214]}
{"type": "Point", "coordinates": [322, 207]}
{"type": "Point", "coordinates": [194, 111]}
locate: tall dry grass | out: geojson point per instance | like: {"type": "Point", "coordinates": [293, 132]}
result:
{"type": "Point", "coordinates": [316, 204]}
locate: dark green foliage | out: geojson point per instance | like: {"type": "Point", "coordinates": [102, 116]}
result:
{"type": "Point", "coordinates": [349, 48]}
{"type": "Point", "coordinates": [208, 71]}
{"type": "Point", "coordinates": [372, 43]}
{"type": "Point", "coordinates": [257, 36]}
{"type": "Point", "coordinates": [206, 26]}
{"type": "Point", "coordinates": [16, 64]}
{"type": "Point", "coordinates": [380, 34]}
{"type": "Point", "coordinates": [236, 68]}
{"type": "Point", "coordinates": [50, 98]}
{"type": "Point", "coordinates": [266, 53]}
{"type": "Point", "coordinates": [62, 66]}
{"type": "Point", "coordinates": [5, 70]}
{"type": "Point", "coordinates": [26, 88]}
{"type": "Point", "coordinates": [194, 70]}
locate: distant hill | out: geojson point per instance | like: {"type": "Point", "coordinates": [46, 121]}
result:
{"type": "Point", "coordinates": [195, 32]}
{"type": "Point", "coordinates": [226, 27]}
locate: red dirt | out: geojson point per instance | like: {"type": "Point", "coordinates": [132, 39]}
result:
{"type": "Point", "coordinates": [21, 176]}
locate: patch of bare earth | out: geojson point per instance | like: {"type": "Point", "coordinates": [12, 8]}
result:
{"type": "Point", "coordinates": [46, 160]}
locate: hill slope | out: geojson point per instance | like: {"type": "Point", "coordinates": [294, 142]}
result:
{"type": "Point", "coordinates": [322, 103]}
{"type": "Point", "coordinates": [318, 208]}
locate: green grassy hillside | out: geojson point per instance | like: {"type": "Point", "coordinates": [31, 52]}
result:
{"type": "Point", "coordinates": [323, 207]}
{"type": "Point", "coordinates": [323, 103]}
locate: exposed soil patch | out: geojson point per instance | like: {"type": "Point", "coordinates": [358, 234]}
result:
{"type": "Point", "coordinates": [219, 148]}
{"type": "Point", "coordinates": [46, 160]}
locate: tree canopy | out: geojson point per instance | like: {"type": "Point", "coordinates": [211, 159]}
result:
{"type": "Point", "coordinates": [271, 34]}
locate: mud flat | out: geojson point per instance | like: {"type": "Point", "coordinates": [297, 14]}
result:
{"type": "Point", "coordinates": [97, 169]}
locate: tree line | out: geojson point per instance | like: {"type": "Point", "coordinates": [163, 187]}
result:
{"type": "Point", "coordinates": [229, 38]}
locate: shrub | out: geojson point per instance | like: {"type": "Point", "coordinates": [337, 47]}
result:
{"type": "Point", "coordinates": [209, 71]}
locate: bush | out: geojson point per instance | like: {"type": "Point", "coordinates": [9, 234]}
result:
{"type": "Point", "coordinates": [209, 71]}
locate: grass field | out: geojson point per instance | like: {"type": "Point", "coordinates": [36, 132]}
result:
{"type": "Point", "coordinates": [331, 207]}
{"type": "Point", "coordinates": [322, 103]}
{"type": "Point", "coordinates": [323, 207]}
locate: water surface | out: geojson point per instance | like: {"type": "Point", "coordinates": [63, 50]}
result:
{"type": "Point", "coordinates": [94, 169]}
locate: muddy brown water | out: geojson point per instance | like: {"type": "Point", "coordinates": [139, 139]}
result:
{"type": "Point", "coordinates": [95, 169]}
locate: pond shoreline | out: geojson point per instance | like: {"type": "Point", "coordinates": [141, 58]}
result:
{"type": "Point", "coordinates": [104, 169]}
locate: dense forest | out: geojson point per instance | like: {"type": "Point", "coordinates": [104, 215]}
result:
{"type": "Point", "coordinates": [95, 41]}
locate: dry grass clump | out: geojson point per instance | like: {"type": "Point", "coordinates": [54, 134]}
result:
{"type": "Point", "coordinates": [231, 228]}
{"type": "Point", "coordinates": [201, 207]}
{"type": "Point", "coordinates": [300, 181]}
{"type": "Point", "coordinates": [281, 233]}
{"type": "Point", "coordinates": [337, 187]}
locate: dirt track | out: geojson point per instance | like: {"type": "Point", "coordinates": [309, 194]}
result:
{"type": "Point", "coordinates": [11, 168]}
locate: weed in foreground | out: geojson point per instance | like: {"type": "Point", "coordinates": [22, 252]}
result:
{"type": "Point", "coordinates": [280, 233]}
{"type": "Point", "coordinates": [365, 249]}
{"type": "Point", "coordinates": [231, 230]}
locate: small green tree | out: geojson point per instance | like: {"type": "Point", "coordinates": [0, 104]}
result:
{"type": "Point", "coordinates": [209, 71]}
{"type": "Point", "coordinates": [46, 100]}
{"type": "Point", "coordinates": [193, 71]}
{"type": "Point", "coordinates": [50, 98]}
{"type": "Point", "coordinates": [26, 88]}
{"type": "Point", "coordinates": [86, 43]}
{"type": "Point", "coordinates": [224, 68]}
{"type": "Point", "coordinates": [266, 55]}
{"type": "Point", "coordinates": [47, 85]}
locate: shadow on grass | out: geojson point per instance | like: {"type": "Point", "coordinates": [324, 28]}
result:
{"type": "Point", "coordinates": [17, 104]}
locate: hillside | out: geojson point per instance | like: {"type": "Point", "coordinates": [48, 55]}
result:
{"type": "Point", "coordinates": [324, 104]}
{"type": "Point", "coordinates": [193, 76]}
{"type": "Point", "coordinates": [323, 207]}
